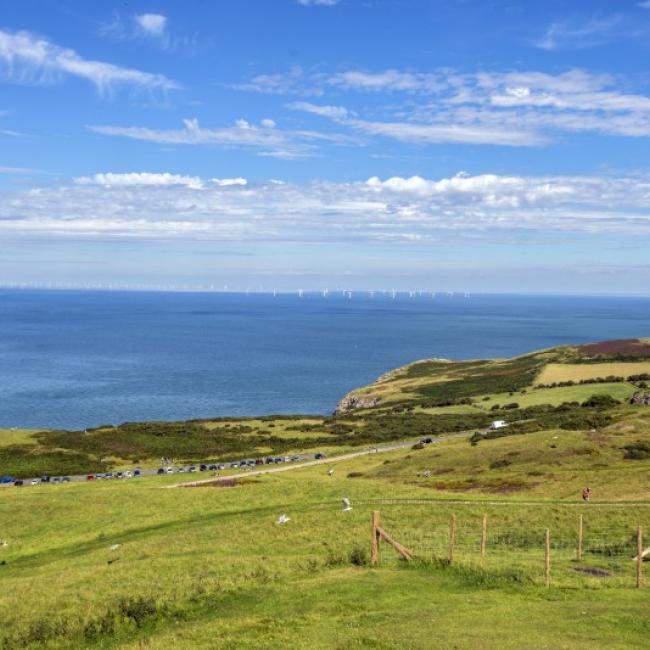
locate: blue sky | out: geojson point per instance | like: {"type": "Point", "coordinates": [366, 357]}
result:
{"type": "Point", "coordinates": [451, 145]}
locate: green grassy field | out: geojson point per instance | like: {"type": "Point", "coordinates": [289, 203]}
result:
{"type": "Point", "coordinates": [131, 564]}
{"type": "Point", "coordinates": [209, 567]}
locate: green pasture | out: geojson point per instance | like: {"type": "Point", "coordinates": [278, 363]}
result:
{"type": "Point", "coordinates": [210, 567]}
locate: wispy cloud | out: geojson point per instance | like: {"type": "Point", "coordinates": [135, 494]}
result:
{"type": "Point", "coordinates": [27, 58]}
{"type": "Point", "coordinates": [153, 25]}
{"type": "Point", "coordinates": [317, 3]}
{"type": "Point", "coordinates": [265, 137]}
{"type": "Point", "coordinates": [575, 34]}
{"type": "Point", "coordinates": [527, 108]}
{"type": "Point", "coordinates": [403, 209]}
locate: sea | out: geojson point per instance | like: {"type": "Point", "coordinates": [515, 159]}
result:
{"type": "Point", "coordinates": [75, 359]}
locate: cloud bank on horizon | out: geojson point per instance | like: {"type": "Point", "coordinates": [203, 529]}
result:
{"type": "Point", "coordinates": [294, 129]}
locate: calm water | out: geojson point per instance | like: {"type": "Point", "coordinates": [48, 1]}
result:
{"type": "Point", "coordinates": [75, 359]}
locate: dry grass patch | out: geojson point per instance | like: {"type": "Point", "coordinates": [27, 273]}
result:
{"type": "Point", "coordinates": [557, 372]}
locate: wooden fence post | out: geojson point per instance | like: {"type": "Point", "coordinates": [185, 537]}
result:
{"type": "Point", "coordinates": [374, 542]}
{"type": "Point", "coordinates": [579, 549]}
{"type": "Point", "coordinates": [452, 538]}
{"type": "Point", "coordinates": [639, 557]}
{"type": "Point", "coordinates": [547, 559]}
{"type": "Point", "coordinates": [483, 536]}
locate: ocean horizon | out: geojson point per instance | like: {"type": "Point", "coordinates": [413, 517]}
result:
{"type": "Point", "coordinates": [81, 358]}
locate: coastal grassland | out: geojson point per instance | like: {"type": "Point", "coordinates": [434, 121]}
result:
{"type": "Point", "coordinates": [558, 372]}
{"type": "Point", "coordinates": [16, 436]}
{"type": "Point", "coordinates": [555, 396]}
{"type": "Point", "coordinates": [209, 567]}
{"type": "Point", "coordinates": [436, 383]}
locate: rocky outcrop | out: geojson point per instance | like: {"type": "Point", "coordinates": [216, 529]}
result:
{"type": "Point", "coordinates": [353, 402]}
{"type": "Point", "coordinates": [641, 398]}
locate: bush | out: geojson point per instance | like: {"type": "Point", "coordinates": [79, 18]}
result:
{"type": "Point", "coordinates": [358, 556]}
{"type": "Point", "coordinates": [601, 401]}
{"type": "Point", "coordinates": [418, 445]}
{"type": "Point", "coordinates": [637, 450]}
{"type": "Point", "coordinates": [498, 464]}
{"type": "Point", "coordinates": [138, 609]}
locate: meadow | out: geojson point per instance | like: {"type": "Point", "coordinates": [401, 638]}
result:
{"type": "Point", "coordinates": [140, 563]}
{"type": "Point", "coordinates": [210, 567]}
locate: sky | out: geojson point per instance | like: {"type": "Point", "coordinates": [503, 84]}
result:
{"type": "Point", "coordinates": [450, 145]}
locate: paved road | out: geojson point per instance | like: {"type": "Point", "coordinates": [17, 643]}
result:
{"type": "Point", "coordinates": [324, 461]}
{"type": "Point", "coordinates": [269, 469]}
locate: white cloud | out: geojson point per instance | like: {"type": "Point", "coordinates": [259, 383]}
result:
{"type": "Point", "coordinates": [334, 112]}
{"type": "Point", "coordinates": [387, 80]}
{"type": "Point", "coordinates": [26, 58]}
{"type": "Point", "coordinates": [579, 33]}
{"type": "Point", "coordinates": [154, 205]}
{"type": "Point", "coordinates": [526, 108]}
{"type": "Point", "coordinates": [135, 179]}
{"type": "Point", "coordinates": [151, 24]}
{"type": "Point", "coordinates": [229, 182]}
{"type": "Point", "coordinates": [269, 140]}
{"type": "Point", "coordinates": [318, 3]}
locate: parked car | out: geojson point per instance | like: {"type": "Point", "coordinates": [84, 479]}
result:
{"type": "Point", "coordinates": [270, 460]}
{"type": "Point", "coordinates": [137, 472]}
{"type": "Point", "coordinates": [108, 475]}
{"type": "Point", "coordinates": [259, 461]}
{"type": "Point", "coordinates": [427, 441]}
{"type": "Point", "coordinates": [161, 470]}
{"type": "Point", "coordinates": [170, 470]}
{"type": "Point", "coordinates": [319, 456]}
{"type": "Point", "coordinates": [55, 479]}
{"type": "Point", "coordinates": [212, 467]}
{"type": "Point", "coordinates": [128, 474]}
{"type": "Point", "coordinates": [234, 465]}
{"type": "Point", "coordinates": [34, 481]}
{"type": "Point", "coordinates": [221, 466]}
{"type": "Point", "coordinates": [45, 479]}
{"type": "Point", "coordinates": [18, 482]}
{"type": "Point", "coordinates": [65, 479]}
{"type": "Point", "coordinates": [7, 479]}
{"type": "Point", "coordinates": [203, 467]}
{"type": "Point", "coordinates": [192, 468]}
{"type": "Point", "coordinates": [90, 477]}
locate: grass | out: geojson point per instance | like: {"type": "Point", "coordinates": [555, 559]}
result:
{"type": "Point", "coordinates": [556, 396]}
{"type": "Point", "coordinates": [221, 573]}
{"type": "Point", "coordinates": [556, 372]}
{"type": "Point", "coordinates": [130, 565]}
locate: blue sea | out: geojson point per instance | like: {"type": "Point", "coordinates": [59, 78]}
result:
{"type": "Point", "coordinates": [75, 359]}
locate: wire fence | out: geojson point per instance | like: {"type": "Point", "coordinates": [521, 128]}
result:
{"type": "Point", "coordinates": [568, 549]}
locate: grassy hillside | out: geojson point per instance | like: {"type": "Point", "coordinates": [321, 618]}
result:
{"type": "Point", "coordinates": [210, 567]}
{"type": "Point", "coordinates": [131, 565]}
{"type": "Point", "coordinates": [550, 388]}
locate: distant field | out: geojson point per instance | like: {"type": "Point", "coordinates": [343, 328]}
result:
{"type": "Point", "coordinates": [532, 397]}
{"type": "Point", "coordinates": [16, 437]}
{"type": "Point", "coordinates": [556, 372]}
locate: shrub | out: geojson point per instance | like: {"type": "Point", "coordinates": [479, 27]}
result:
{"type": "Point", "coordinates": [358, 556]}
{"type": "Point", "coordinates": [498, 464]}
{"type": "Point", "coordinates": [601, 401]}
{"type": "Point", "coordinates": [418, 445]}
{"type": "Point", "coordinates": [138, 609]}
{"type": "Point", "coordinates": [637, 450]}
